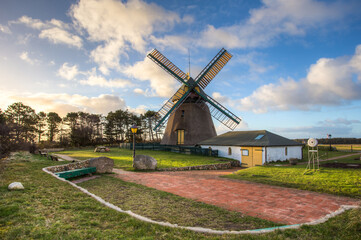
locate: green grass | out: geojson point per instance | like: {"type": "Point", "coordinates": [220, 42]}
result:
{"type": "Point", "coordinates": [344, 147]}
{"type": "Point", "coordinates": [338, 181]}
{"type": "Point", "coordinates": [123, 158]}
{"type": "Point", "coordinates": [51, 209]}
{"type": "Point", "coordinates": [177, 210]}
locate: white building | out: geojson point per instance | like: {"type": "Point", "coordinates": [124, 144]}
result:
{"type": "Point", "coordinates": [253, 148]}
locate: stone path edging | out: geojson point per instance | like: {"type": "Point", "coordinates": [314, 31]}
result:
{"type": "Point", "coordinates": [201, 229]}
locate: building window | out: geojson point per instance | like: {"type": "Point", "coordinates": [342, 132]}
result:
{"type": "Point", "coordinates": [180, 137]}
{"type": "Point", "coordinates": [245, 152]}
{"type": "Point", "coordinates": [286, 150]}
{"type": "Point", "coordinates": [229, 151]}
{"type": "Point", "coordinates": [259, 137]}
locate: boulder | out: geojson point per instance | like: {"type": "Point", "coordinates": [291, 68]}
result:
{"type": "Point", "coordinates": [103, 164]}
{"type": "Point", "coordinates": [15, 186]}
{"type": "Point", "coordinates": [144, 162]}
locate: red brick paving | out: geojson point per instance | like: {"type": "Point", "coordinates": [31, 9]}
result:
{"type": "Point", "coordinates": [283, 205]}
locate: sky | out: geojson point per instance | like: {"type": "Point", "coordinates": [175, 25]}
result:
{"type": "Point", "coordinates": [295, 70]}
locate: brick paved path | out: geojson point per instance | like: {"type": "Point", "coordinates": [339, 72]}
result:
{"type": "Point", "coordinates": [283, 205]}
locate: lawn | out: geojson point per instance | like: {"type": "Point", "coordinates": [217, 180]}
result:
{"type": "Point", "coordinates": [344, 147]}
{"type": "Point", "coordinates": [52, 209]}
{"type": "Point", "coordinates": [338, 181]}
{"type": "Point", "coordinates": [123, 158]}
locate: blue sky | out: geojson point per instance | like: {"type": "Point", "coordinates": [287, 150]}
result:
{"type": "Point", "coordinates": [295, 71]}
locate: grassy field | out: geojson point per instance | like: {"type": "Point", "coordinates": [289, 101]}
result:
{"type": "Point", "coordinates": [346, 182]}
{"type": "Point", "coordinates": [344, 147]}
{"type": "Point", "coordinates": [51, 209]}
{"type": "Point", "coordinates": [123, 158]}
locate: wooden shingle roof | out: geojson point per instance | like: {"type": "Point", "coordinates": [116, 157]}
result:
{"type": "Point", "coordinates": [260, 138]}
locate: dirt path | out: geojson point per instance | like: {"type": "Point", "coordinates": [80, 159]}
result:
{"type": "Point", "coordinates": [283, 205]}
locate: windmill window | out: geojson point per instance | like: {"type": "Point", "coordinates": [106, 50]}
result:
{"type": "Point", "coordinates": [259, 137]}
{"type": "Point", "coordinates": [229, 151]}
{"type": "Point", "coordinates": [182, 113]}
{"type": "Point", "coordinates": [180, 137]}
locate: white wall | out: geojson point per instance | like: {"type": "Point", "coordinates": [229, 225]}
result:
{"type": "Point", "coordinates": [278, 153]}
{"type": "Point", "coordinates": [273, 153]}
{"type": "Point", "coordinates": [223, 151]}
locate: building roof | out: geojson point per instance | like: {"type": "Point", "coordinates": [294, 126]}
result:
{"type": "Point", "coordinates": [260, 138]}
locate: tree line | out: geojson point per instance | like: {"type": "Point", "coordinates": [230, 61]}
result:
{"type": "Point", "coordinates": [21, 126]}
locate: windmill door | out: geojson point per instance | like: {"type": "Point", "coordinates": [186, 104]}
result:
{"type": "Point", "coordinates": [251, 156]}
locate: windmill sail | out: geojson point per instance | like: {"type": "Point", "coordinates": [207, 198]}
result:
{"type": "Point", "coordinates": [212, 69]}
{"type": "Point", "coordinates": [170, 106]}
{"type": "Point", "coordinates": [167, 65]}
{"type": "Point", "coordinates": [219, 112]}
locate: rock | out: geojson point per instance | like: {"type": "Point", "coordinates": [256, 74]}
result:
{"type": "Point", "coordinates": [15, 186]}
{"type": "Point", "coordinates": [144, 162]}
{"type": "Point", "coordinates": [103, 164]}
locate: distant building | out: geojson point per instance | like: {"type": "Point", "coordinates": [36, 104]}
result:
{"type": "Point", "coordinates": [254, 148]}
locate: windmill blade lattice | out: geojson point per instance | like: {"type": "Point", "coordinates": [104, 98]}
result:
{"type": "Point", "coordinates": [170, 106]}
{"type": "Point", "coordinates": [167, 65]}
{"type": "Point", "coordinates": [213, 67]}
{"type": "Point", "coordinates": [219, 112]}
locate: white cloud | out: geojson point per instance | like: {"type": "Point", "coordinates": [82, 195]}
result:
{"type": "Point", "coordinates": [119, 26]}
{"type": "Point", "coordinates": [107, 56]}
{"type": "Point", "coordinates": [338, 121]}
{"type": "Point", "coordinates": [242, 126]}
{"type": "Point", "coordinates": [139, 91]}
{"type": "Point", "coordinates": [224, 100]}
{"type": "Point", "coordinates": [141, 109]}
{"type": "Point", "coordinates": [330, 81]}
{"type": "Point", "coordinates": [5, 29]}
{"type": "Point", "coordinates": [58, 35]}
{"type": "Point", "coordinates": [25, 57]}
{"type": "Point", "coordinates": [54, 30]}
{"type": "Point", "coordinates": [97, 80]}
{"type": "Point", "coordinates": [33, 23]}
{"type": "Point", "coordinates": [272, 19]}
{"type": "Point", "coordinates": [162, 84]}
{"type": "Point", "coordinates": [178, 42]}
{"type": "Point", "coordinates": [64, 103]}
{"type": "Point", "coordinates": [68, 72]}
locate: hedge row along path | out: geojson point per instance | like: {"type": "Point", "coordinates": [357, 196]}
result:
{"type": "Point", "coordinates": [277, 204]}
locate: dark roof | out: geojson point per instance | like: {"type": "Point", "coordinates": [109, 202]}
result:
{"type": "Point", "coordinates": [250, 138]}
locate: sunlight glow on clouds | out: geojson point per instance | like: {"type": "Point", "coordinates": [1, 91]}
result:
{"type": "Point", "coordinates": [162, 83]}
{"type": "Point", "coordinates": [329, 82]}
{"type": "Point", "coordinates": [120, 25]}
{"type": "Point", "coordinates": [64, 103]}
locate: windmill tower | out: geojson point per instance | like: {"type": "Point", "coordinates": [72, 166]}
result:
{"type": "Point", "coordinates": [189, 111]}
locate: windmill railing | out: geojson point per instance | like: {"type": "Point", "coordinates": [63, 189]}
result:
{"type": "Point", "coordinates": [172, 148]}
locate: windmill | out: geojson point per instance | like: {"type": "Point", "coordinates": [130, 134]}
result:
{"type": "Point", "coordinates": [189, 111]}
